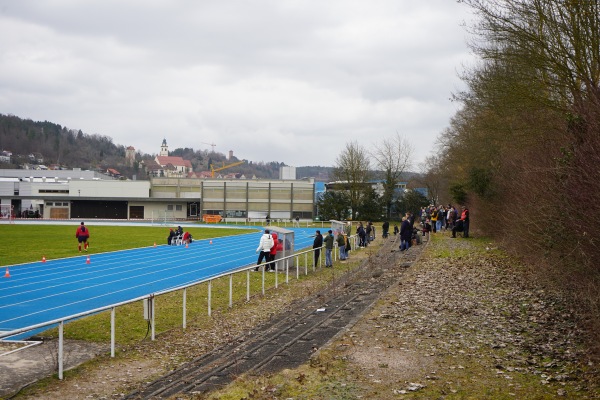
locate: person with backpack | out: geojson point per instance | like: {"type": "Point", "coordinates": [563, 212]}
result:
{"type": "Point", "coordinates": [264, 246]}
{"type": "Point", "coordinates": [341, 242]}
{"type": "Point", "coordinates": [82, 235]}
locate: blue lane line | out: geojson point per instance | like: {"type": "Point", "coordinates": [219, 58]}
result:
{"type": "Point", "coordinates": [39, 292]}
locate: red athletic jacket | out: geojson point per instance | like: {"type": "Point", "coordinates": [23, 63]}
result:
{"type": "Point", "coordinates": [82, 232]}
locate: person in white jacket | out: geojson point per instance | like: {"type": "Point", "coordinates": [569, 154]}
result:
{"type": "Point", "coordinates": [264, 246]}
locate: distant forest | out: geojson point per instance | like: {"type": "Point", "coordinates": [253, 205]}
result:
{"type": "Point", "coordinates": [71, 148]}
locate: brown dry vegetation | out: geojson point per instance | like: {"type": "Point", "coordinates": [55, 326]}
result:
{"type": "Point", "coordinates": [523, 152]}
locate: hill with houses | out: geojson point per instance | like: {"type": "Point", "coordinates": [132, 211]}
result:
{"type": "Point", "coordinates": [28, 144]}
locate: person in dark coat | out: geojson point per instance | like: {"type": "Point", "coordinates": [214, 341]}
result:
{"type": "Point", "coordinates": [317, 244]}
{"type": "Point", "coordinates": [406, 231]}
{"type": "Point", "coordinates": [385, 228]}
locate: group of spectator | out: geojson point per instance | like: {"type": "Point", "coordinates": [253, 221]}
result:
{"type": "Point", "coordinates": [268, 247]}
{"type": "Point", "coordinates": [365, 233]}
{"type": "Point", "coordinates": [178, 236]}
{"type": "Point", "coordinates": [447, 218]}
{"type": "Point", "coordinates": [342, 240]}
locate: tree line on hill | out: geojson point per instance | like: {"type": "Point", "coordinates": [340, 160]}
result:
{"type": "Point", "coordinates": [44, 142]}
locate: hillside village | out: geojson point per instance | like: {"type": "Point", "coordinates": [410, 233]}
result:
{"type": "Point", "coordinates": [35, 145]}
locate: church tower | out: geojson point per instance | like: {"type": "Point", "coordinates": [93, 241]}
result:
{"type": "Point", "coordinates": [164, 149]}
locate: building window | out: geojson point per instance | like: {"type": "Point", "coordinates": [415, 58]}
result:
{"type": "Point", "coordinates": [178, 207]}
{"type": "Point", "coordinates": [169, 207]}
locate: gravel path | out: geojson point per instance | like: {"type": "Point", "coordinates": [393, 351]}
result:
{"type": "Point", "coordinates": [467, 321]}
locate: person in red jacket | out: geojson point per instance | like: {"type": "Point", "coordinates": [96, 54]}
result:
{"type": "Point", "coordinates": [271, 265]}
{"type": "Point", "coordinates": [82, 235]}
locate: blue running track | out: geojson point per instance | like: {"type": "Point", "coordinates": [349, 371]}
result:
{"type": "Point", "coordinates": [41, 292]}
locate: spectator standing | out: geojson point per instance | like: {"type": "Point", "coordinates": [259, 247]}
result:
{"type": "Point", "coordinates": [82, 234]}
{"type": "Point", "coordinates": [328, 241]}
{"type": "Point", "coordinates": [405, 234]}
{"type": "Point", "coordinates": [362, 235]}
{"type": "Point", "coordinates": [441, 215]}
{"type": "Point", "coordinates": [341, 241]}
{"type": "Point", "coordinates": [385, 227]}
{"type": "Point", "coordinates": [264, 246]}
{"type": "Point", "coordinates": [433, 219]}
{"type": "Point", "coordinates": [464, 216]}
{"type": "Point", "coordinates": [297, 222]}
{"type": "Point", "coordinates": [450, 217]}
{"type": "Point", "coordinates": [272, 253]}
{"type": "Point", "coordinates": [317, 244]}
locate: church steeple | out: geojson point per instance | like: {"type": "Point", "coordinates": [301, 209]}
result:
{"type": "Point", "coordinates": [164, 149]}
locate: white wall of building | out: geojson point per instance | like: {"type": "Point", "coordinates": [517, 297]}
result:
{"type": "Point", "coordinates": [124, 189]}
{"type": "Point", "coordinates": [287, 173]}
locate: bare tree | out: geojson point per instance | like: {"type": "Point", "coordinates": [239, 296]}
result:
{"type": "Point", "coordinates": [392, 156]}
{"type": "Point", "coordinates": [353, 170]}
{"type": "Point", "coordinates": [435, 178]}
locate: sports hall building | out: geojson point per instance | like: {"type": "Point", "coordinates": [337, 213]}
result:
{"type": "Point", "coordinates": [77, 194]}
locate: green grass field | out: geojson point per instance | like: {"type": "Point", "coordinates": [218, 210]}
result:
{"type": "Point", "coordinates": [29, 243]}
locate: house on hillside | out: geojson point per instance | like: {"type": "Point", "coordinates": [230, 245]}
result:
{"type": "Point", "coordinates": [113, 172]}
{"type": "Point", "coordinates": [201, 174]}
{"type": "Point", "coordinates": [152, 168]}
{"type": "Point", "coordinates": [36, 158]}
{"type": "Point", "coordinates": [5, 156]}
{"type": "Point", "coordinates": [174, 166]}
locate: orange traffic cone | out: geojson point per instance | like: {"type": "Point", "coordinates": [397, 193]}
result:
{"type": "Point", "coordinates": [88, 260]}
{"type": "Point", "coordinates": [154, 244]}
{"type": "Point", "coordinates": [7, 274]}
{"type": "Point", "coordinates": [43, 258]}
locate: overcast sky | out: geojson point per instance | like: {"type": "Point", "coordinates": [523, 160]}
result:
{"type": "Point", "coordinates": [271, 80]}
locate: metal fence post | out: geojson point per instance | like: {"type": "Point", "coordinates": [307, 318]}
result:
{"type": "Point", "coordinates": [209, 297]}
{"type": "Point", "coordinates": [230, 290]}
{"type": "Point", "coordinates": [112, 332]}
{"type": "Point", "coordinates": [184, 308]}
{"type": "Point", "coordinates": [60, 349]}
{"type": "Point", "coordinates": [247, 285]}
